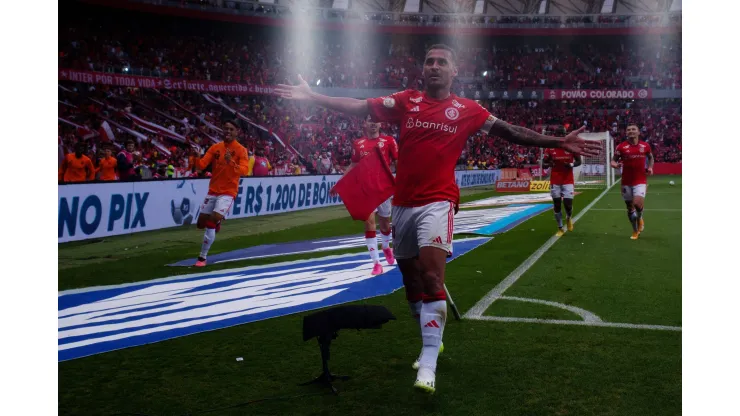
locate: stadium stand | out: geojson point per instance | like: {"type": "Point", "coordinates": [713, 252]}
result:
{"type": "Point", "coordinates": [172, 128]}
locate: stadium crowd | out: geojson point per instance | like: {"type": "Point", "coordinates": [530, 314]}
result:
{"type": "Point", "coordinates": [168, 48]}
{"type": "Point", "coordinates": [317, 140]}
{"type": "Point", "coordinates": [169, 130]}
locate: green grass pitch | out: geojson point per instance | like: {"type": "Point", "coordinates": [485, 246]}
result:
{"type": "Point", "coordinates": [488, 368]}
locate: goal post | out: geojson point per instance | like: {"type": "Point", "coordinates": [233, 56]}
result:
{"type": "Point", "coordinates": [594, 172]}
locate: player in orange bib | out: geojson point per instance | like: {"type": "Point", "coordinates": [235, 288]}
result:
{"type": "Point", "coordinates": [631, 155]}
{"type": "Point", "coordinates": [389, 149]}
{"type": "Point", "coordinates": [561, 184]}
{"type": "Point", "coordinates": [107, 166]}
{"type": "Point", "coordinates": [77, 167]}
{"type": "Point", "coordinates": [229, 162]}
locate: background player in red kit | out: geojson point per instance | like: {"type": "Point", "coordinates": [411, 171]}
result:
{"type": "Point", "coordinates": [435, 126]}
{"type": "Point", "coordinates": [389, 148]}
{"type": "Point", "coordinates": [561, 184]}
{"type": "Point", "coordinates": [631, 155]}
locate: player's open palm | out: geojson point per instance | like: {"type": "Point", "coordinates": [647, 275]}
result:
{"type": "Point", "coordinates": [294, 92]}
{"type": "Point", "coordinates": [579, 146]}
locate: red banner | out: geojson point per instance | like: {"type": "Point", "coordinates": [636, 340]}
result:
{"type": "Point", "coordinates": [667, 169]}
{"type": "Point", "coordinates": [640, 94]}
{"type": "Point", "coordinates": [135, 81]}
{"type": "Point", "coordinates": [524, 173]}
{"type": "Point", "coordinates": [512, 186]}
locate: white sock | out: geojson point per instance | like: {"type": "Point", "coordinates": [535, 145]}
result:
{"type": "Point", "coordinates": [372, 246]}
{"type": "Point", "coordinates": [385, 240]}
{"type": "Point", "coordinates": [416, 311]}
{"type": "Point", "coordinates": [433, 317]}
{"type": "Point", "coordinates": [208, 238]}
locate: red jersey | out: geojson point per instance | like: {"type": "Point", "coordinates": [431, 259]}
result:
{"type": "Point", "coordinates": [633, 158]}
{"type": "Point", "coordinates": [560, 160]}
{"type": "Point", "coordinates": [387, 145]}
{"type": "Point", "coordinates": [433, 135]}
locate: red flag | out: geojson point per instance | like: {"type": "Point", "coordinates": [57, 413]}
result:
{"type": "Point", "coordinates": [366, 186]}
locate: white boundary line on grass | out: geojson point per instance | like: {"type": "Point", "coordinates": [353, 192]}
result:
{"type": "Point", "coordinates": [476, 312]}
{"type": "Point", "coordinates": [578, 323]}
{"type": "Point", "coordinates": [646, 209]}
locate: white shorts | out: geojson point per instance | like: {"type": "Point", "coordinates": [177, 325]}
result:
{"type": "Point", "coordinates": [564, 191]}
{"type": "Point", "coordinates": [430, 225]}
{"type": "Point", "coordinates": [220, 204]}
{"type": "Point", "coordinates": [384, 209]}
{"type": "Point", "coordinates": [629, 192]}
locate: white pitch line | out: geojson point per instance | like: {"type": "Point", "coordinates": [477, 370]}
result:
{"type": "Point", "coordinates": [587, 316]}
{"type": "Point", "coordinates": [479, 308]}
{"type": "Point", "coordinates": [579, 323]}
{"type": "Point", "coordinates": [646, 209]}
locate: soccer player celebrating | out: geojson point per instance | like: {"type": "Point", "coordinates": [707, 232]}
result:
{"type": "Point", "coordinates": [229, 161]}
{"type": "Point", "coordinates": [631, 155]}
{"type": "Point", "coordinates": [389, 149]}
{"type": "Point", "coordinates": [561, 184]}
{"type": "Point", "coordinates": [435, 126]}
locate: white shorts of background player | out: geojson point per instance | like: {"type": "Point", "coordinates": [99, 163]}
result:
{"type": "Point", "coordinates": [384, 209]}
{"type": "Point", "coordinates": [220, 204]}
{"type": "Point", "coordinates": [630, 192]}
{"type": "Point", "coordinates": [430, 225]}
{"type": "Point", "coordinates": [565, 191]}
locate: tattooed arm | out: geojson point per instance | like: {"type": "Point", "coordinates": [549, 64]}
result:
{"type": "Point", "coordinates": [523, 136]}
{"type": "Point", "coordinates": [526, 137]}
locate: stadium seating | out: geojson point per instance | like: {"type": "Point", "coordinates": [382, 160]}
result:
{"type": "Point", "coordinates": [321, 139]}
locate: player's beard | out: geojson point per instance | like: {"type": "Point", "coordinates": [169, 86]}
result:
{"type": "Point", "coordinates": [439, 85]}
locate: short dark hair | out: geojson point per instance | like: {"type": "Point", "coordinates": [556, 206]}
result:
{"type": "Point", "coordinates": [233, 122]}
{"type": "Point", "coordinates": [446, 48]}
{"type": "Point", "coordinates": [633, 124]}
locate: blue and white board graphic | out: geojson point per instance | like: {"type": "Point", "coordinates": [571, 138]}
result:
{"type": "Point", "coordinates": [102, 319]}
{"type": "Point", "coordinates": [481, 222]}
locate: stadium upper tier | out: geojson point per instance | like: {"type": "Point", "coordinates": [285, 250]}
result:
{"type": "Point", "coordinates": [172, 47]}
{"type": "Point", "coordinates": [579, 14]}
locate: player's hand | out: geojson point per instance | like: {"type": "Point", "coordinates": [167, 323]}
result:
{"type": "Point", "coordinates": [332, 192]}
{"type": "Point", "coordinates": [614, 164]}
{"type": "Point", "coordinates": [649, 171]}
{"type": "Point", "coordinates": [300, 92]}
{"type": "Point", "coordinates": [578, 146]}
{"type": "Point", "coordinates": [227, 156]}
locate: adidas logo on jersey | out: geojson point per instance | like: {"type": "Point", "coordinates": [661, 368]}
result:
{"type": "Point", "coordinates": [415, 109]}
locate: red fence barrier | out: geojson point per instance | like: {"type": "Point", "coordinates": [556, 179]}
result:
{"type": "Point", "coordinates": [667, 169]}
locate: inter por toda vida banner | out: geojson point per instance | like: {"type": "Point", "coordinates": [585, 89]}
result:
{"type": "Point", "coordinates": [105, 209]}
{"type": "Point", "coordinates": [135, 81]}
{"type": "Point", "coordinates": [641, 94]}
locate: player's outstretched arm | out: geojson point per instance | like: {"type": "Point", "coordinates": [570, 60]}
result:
{"type": "Point", "coordinates": [302, 92]}
{"type": "Point", "coordinates": [527, 137]}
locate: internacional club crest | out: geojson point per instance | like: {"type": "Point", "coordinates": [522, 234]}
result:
{"type": "Point", "coordinates": [452, 113]}
{"type": "Point", "coordinates": [389, 102]}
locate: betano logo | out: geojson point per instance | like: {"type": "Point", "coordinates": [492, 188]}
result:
{"type": "Point", "coordinates": [415, 123]}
